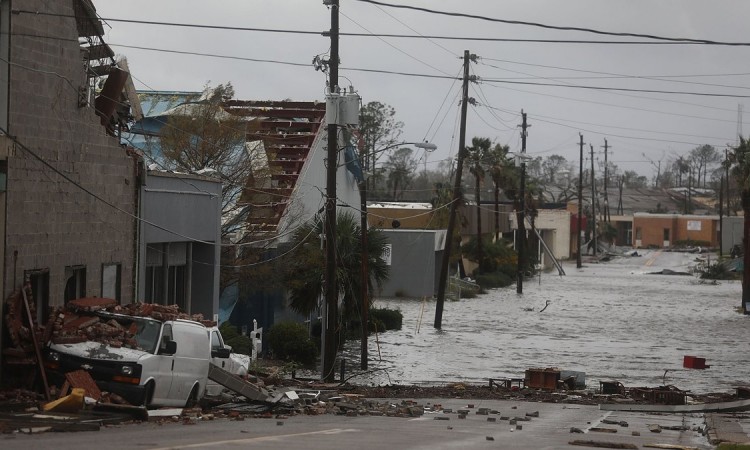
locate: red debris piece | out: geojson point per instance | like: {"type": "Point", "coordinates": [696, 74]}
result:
{"type": "Point", "coordinates": [82, 379]}
{"type": "Point", "coordinates": [91, 303]}
{"type": "Point", "coordinates": [693, 362]}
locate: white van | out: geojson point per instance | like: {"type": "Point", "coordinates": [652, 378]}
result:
{"type": "Point", "coordinates": [223, 357]}
{"type": "Point", "coordinates": [168, 368]}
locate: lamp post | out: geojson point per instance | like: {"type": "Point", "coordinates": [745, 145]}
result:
{"type": "Point", "coordinates": [365, 302]}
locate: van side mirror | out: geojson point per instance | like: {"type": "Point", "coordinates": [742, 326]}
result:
{"type": "Point", "coordinates": [170, 348]}
{"type": "Point", "coordinates": [222, 352]}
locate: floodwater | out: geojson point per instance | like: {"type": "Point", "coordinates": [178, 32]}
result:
{"type": "Point", "coordinates": [611, 320]}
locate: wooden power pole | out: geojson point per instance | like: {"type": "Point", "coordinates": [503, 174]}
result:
{"type": "Point", "coordinates": [521, 215]}
{"type": "Point", "coordinates": [330, 332]}
{"type": "Point", "coordinates": [443, 279]}
{"type": "Point", "coordinates": [580, 203]}
{"type": "Point", "coordinates": [593, 202]}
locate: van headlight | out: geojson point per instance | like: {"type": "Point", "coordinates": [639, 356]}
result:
{"type": "Point", "coordinates": [126, 370]}
{"type": "Point", "coordinates": [54, 356]}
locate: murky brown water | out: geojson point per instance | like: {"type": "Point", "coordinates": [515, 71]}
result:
{"type": "Point", "coordinates": [612, 321]}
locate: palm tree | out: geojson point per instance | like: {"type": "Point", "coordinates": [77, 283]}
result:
{"type": "Point", "coordinates": [475, 155]}
{"type": "Point", "coordinates": [304, 272]}
{"type": "Point", "coordinates": [500, 172]}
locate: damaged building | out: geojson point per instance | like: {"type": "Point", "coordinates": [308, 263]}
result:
{"type": "Point", "coordinates": [68, 189]}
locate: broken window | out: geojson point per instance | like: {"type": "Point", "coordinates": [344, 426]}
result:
{"type": "Point", "coordinates": [75, 284]}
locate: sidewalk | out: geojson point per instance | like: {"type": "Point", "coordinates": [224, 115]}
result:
{"type": "Point", "coordinates": [729, 428]}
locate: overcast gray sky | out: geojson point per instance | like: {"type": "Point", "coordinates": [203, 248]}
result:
{"type": "Point", "coordinates": [659, 126]}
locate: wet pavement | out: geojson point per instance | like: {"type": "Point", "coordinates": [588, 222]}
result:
{"type": "Point", "coordinates": [485, 424]}
{"type": "Point", "coordinates": [612, 320]}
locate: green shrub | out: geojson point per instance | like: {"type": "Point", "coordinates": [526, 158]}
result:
{"type": "Point", "coordinates": [290, 341]}
{"type": "Point", "coordinates": [389, 319]}
{"type": "Point", "coordinates": [717, 271]}
{"type": "Point", "coordinates": [494, 280]}
{"type": "Point", "coordinates": [690, 243]}
{"type": "Point", "coordinates": [239, 343]}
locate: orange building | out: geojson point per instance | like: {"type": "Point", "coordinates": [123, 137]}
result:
{"type": "Point", "coordinates": [664, 230]}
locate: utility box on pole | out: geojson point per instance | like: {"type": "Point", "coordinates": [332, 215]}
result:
{"type": "Point", "coordinates": [343, 109]}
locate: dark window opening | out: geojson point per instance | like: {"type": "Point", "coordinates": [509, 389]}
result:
{"type": "Point", "coordinates": [75, 284]}
{"type": "Point", "coordinates": [39, 280]}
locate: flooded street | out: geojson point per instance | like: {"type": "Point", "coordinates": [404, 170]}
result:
{"type": "Point", "coordinates": [611, 320]}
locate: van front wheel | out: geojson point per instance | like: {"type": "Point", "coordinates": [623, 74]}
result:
{"type": "Point", "coordinates": [149, 394]}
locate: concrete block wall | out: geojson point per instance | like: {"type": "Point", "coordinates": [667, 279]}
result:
{"type": "Point", "coordinates": [652, 228]}
{"type": "Point", "coordinates": [50, 222]}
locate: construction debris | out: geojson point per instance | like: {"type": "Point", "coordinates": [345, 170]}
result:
{"type": "Point", "coordinates": [77, 322]}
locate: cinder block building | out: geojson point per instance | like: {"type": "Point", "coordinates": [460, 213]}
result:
{"type": "Point", "coordinates": [664, 230]}
{"type": "Point", "coordinates": [68, 190]}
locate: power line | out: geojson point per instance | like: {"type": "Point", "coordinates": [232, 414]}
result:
{"type": "Point", "coordinates": [611, 75]}
{"type": "Point", "coordinates": [555, 27]}
{"type": "Point", "coordinates": [615, 93]}
{"type": "Point", "coordinates": [422, 75]}
{"type": "Point", "coordinates": [660, 41]}
{"type": "Point", "coordinates": [611, 104]}
{"type": "Point", "coordinates": [396, 48]}
{"type": "Point", "coordinates": [613, 126]}
{"type": "Point", "coordinates": [601, 88]}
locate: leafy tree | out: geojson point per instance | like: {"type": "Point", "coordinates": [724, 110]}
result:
{"type": "Point", "coordinates": [702, 157]}
{"type": "Point", "coordinates": [378, 129]}
{"type": "Point", "coordinates": [202, 137]}
{"type": "Point", "coordinates": [552, 168]}
{"type": "Point", "coordinates": [303, 272]}
{"type": "Point", "coordinates": [632, 180]}
{"type": "Point", "coordinates": [534, 168]}
{"type": "Point", "coordinates": [400, 168]}
{"type": "Point", "coordinates": [497, 256]}
{"type": "Point", "coordinates": [681, 166]}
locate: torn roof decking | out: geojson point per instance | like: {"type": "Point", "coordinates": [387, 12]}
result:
{"type": "Point", "coordinates": [288, 131]}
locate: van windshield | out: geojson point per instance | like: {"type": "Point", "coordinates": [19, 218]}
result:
{"type": "Point", "coordinates": [147, 334]}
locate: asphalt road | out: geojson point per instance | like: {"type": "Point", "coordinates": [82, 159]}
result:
{"type": "Point", "coordinates": [551, 430]}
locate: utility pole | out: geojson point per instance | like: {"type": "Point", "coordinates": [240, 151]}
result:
{"type": "Point", "coordinates": [689, 206]}
{"type": "Point", "coordinates": [330, 344]}
{"type": "Point", "coordinates": [456, 196]}
{"type": "Point", "coordinates": [522, 210]}
{"type": "Point", "coordinates": [593, 201]}
{"type": "Point", "coordinates": [726, 176]}
{"type": "Point", "coordinates": [365, 255]}
{"type": "Point", "coordinates": [580, 203]}
{"type": "Point", "coordinates": [721, 217]}
{"type": "Point", "coordinates": [607, 217]}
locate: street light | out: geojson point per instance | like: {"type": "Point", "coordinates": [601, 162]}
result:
{"type": "Point", "coordinates": [428, 146]}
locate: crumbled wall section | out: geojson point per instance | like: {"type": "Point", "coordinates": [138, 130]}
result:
{"type": "Point", "coordinates": [51, 223]}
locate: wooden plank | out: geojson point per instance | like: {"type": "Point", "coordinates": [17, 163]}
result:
{"type": "Point", "coordinates": [39, 361]}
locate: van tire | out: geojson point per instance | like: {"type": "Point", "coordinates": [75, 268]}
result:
{"type": "Point", "coordinates": [149, 395]}
{"type": "Point", "coordinates": [192, 399]}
